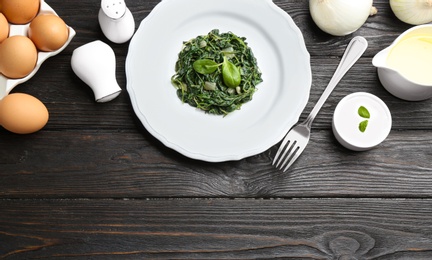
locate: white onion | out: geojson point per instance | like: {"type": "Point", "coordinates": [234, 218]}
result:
{"type": "Point", "coordinates": [209, 85]}
{"type": "Point", "coordinates": [340, 17]}
{"type": "Point", "coordinates": [412, 11]}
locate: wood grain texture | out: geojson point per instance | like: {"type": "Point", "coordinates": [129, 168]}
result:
{"type": "Point", "coordinates": [125, 164]}
{"type": "Point", "coordinates": [95, 184]}
{"type": "Point", "coordinates": [217, 229]}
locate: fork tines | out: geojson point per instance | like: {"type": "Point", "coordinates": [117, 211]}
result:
{"type": "Point", "coordinates": [288, 152]}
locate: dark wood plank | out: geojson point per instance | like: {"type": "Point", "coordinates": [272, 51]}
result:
{"type": "Point", "coordinates": [216, 229]}
{"type": "Point", "coordinates": [131, 164]}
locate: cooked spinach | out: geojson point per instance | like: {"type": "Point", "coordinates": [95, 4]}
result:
{"type": "Point", "coordinates": [216, 72]}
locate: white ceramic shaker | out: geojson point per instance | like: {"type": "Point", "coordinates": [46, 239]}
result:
{"type": "Point", "coordinates": [116, 21]}
{"type": "Point", "coordinates": [95, 64]}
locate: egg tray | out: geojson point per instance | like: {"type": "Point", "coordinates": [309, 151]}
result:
{"type": "Point", "coordinates": [7, 84]}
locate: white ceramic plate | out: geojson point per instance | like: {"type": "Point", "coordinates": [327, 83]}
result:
{"type": "Point", "coordinates": [282, 57]}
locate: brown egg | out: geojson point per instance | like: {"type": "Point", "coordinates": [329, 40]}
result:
{"type": "Point", "coordinates": [20, 11]}
{"type": "Point", "coordinates": [22, 113]}
{"type": "Point", "coordinates": [48, 32]}
{"type": "Point", "coordinates": [18, 56]}
{"type": "Point", "coordinates": [4, 28]}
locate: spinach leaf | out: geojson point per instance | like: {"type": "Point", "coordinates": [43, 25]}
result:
{"type": "Point", "coordinates": [231, 74]}
{"type": "Point", "coordinates": [205, 66]}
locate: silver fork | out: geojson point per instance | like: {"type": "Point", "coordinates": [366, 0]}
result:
{"type": "Point", "coordinates": [298, 137]}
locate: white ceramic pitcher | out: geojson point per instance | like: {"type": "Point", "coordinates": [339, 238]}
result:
{"type": "Point", "coordinates": [392, 80]}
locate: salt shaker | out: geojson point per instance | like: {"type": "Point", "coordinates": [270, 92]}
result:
{"type": "Point", "coordinates": [116, 21]}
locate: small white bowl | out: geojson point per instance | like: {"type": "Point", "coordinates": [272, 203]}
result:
{"type": "Point", "coordinates": [346, 121]}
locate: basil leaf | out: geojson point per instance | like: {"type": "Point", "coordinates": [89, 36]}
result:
{"type": "Point", "coordinates": [230, 73]}
{"type": "Point", "coordinates": [205, 66]}
{"type": "Point", "coordinates": [363, 112]}
{"type": "Point", "coordinates": [363, 125]}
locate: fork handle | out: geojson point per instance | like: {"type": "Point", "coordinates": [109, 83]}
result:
{"type": "Point", "coordinates": [353, 52]}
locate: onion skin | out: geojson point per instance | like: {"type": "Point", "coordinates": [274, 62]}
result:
{"type": "Point", "coordinates": [413, 12]}
{"type": "Point", "coordinates": [340, 17]}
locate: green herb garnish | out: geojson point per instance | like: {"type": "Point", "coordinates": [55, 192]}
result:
{"type": "Point", "coordinates": [205, 66]}
{"type": "Point", "coordinates": [363, 125]}
{"type": "Point", "coordinates": [363, 112]}
{"type": "Point", "coordinates": [230, 74]}
{"type": "Point", "coordinates": [216, 72]}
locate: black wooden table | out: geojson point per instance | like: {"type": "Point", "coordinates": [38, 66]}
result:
{"type": "Point", "coordinates": [94, 184]}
